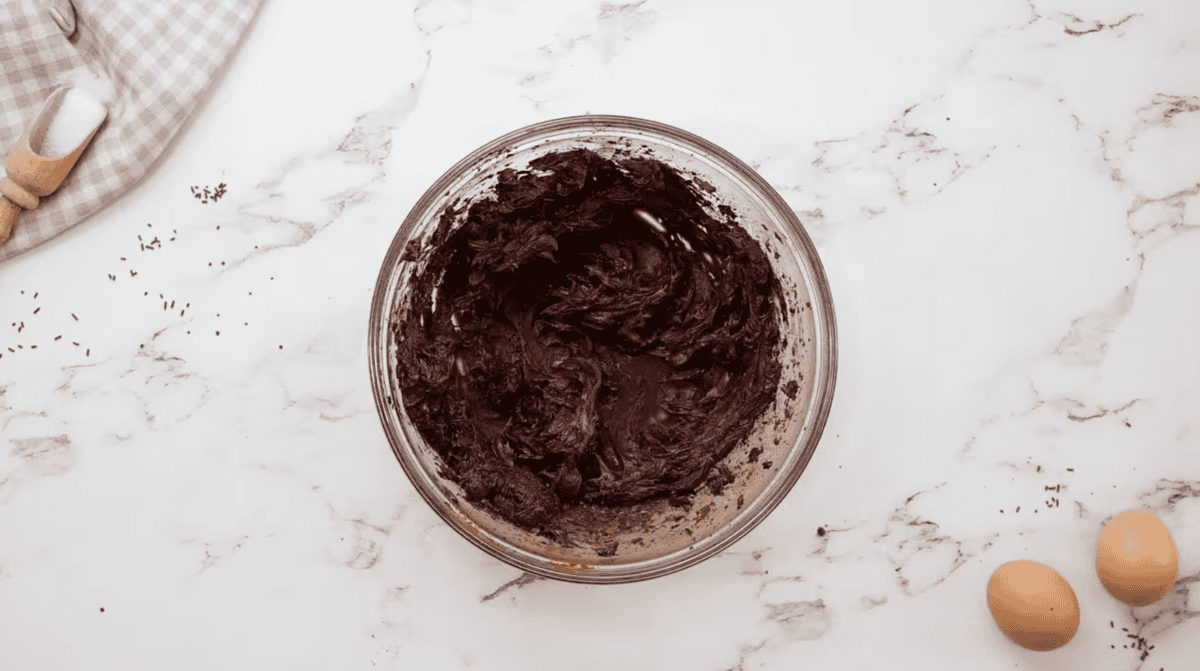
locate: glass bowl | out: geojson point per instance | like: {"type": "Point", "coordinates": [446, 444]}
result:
{"type": "Point", "coordinates": [659, 537]}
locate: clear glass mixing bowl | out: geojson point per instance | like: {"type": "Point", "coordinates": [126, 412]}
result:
{"type": "Point", "coordinates": [652, 538]}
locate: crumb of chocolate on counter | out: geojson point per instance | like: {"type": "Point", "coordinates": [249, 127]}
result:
{"type": "Point", "coordinates": [755, 453]}
{"type": "Point", "coordinates": [791, 388]}
{"type": "Point", "coordinates": [596, 338]}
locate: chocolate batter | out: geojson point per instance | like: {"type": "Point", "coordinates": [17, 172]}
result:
{"type": "Point", "coordinates": [590, 336]}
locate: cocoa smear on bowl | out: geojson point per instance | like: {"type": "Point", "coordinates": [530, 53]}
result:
{"type": "Point", "coordinates": [588, 340]}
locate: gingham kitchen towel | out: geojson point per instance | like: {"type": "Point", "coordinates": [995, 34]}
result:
{"type": "Point", "coordinates": [161, 56]}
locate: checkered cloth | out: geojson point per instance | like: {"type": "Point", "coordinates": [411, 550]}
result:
{"type": "Point", "coordinates": [161, 57]}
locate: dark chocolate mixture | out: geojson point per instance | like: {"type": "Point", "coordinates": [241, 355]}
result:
{"type": "Point", "coordinates": [591, 335]}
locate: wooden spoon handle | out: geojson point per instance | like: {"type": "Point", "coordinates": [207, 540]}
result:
{"type": "Point", "coordinates": [9, 213]}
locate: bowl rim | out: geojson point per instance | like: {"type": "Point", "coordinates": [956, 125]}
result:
{"type": "Point", "coordinates": [825, 351]}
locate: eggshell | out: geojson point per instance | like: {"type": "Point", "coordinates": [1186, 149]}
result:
{"type": "Point", "coordinates": [1034, 605]}
{"type": "Point", "coordinates": [1136, 558]}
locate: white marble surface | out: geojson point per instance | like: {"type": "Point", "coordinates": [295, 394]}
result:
{"type": "Point", "coordinates": [1006, 197]}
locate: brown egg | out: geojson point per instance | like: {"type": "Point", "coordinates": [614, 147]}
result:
{"type": "Point", "coordinates": [1136, 558]}
{"type": "Point", "coordinates": [1034, 605]}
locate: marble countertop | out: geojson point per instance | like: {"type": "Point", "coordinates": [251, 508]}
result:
{"type": "Point", "coordinates": [1006, 198]}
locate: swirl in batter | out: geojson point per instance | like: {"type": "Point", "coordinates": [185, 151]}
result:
{"type": "Point", "coordinates": [590, 335]}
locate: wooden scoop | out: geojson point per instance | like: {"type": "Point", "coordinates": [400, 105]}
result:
{"type": "Point", "coordinates": [69, 116]}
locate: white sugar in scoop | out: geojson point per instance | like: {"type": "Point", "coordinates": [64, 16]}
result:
{"type": "Point", "coordinates": [79, 114]}
{"type": "Point", "coordinates": [62, 129]}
